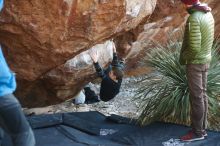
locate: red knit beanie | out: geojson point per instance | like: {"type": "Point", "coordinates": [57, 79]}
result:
{"type": "Point", "coordinates": [190, 2]}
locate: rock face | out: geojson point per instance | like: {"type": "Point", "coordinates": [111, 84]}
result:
{"type": "Point", "coordinates": [38, 36]}
{"type": "Point", "coordinates": [43, 34]}
{"type": "Point", "coordinates": [169, 17]}
{"type": "Point", "coordinates": [214, 4]}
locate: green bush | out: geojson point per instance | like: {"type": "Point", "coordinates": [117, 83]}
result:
{"type": "Point", "coordinates": [164, 94]}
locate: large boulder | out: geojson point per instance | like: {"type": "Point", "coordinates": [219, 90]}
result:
{"type": "Point", "coordinates": [39, 36]}
{"type": "Point", "coordinates": [47, 42]}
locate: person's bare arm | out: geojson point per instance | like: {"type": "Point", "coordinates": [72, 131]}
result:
{"type": "Point", "coordinates": [114, 49]}
{"type": "Point", "coordinates": [94, 56]}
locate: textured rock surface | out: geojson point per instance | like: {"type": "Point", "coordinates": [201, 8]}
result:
{"type": "Point", "coordinates": [168, 17]}
{"type": "Point", "coordinates": [215, 5]}
{"type": "Point", "coordinates": [43, 34]}
{"type": "Point", "coordinates": [38, 36]}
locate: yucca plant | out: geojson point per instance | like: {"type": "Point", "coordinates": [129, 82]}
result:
{"type": "Point", "coordinates": [164, 95]}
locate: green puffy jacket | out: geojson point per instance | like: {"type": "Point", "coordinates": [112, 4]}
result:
{"type": "Point", "coordinates": [198, 38]}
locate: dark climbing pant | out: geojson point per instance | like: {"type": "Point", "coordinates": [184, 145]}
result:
{"type": "Point", "coordinates": [197, 80]}
{"type": "Point", "coordinates": [14, 123]}
{"type": "Point", "coordinates": [91, 97]}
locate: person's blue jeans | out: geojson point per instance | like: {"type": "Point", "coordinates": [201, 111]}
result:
{"type": "Point", "coordinates": [14, 123]}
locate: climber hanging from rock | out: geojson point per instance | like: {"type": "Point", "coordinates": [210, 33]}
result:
{"type": "Point", "coordinates": [111, 79]}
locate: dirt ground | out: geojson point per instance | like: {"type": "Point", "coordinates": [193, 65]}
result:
{"type": "Point", "coordinates": [123, 104]}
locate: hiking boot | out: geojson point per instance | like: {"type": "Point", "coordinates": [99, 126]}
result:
{"type": "Point", "coordinates": [191, 136]}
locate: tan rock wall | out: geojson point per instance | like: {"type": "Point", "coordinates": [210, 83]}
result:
{"type": "Point", "coordinates": [40, 35]}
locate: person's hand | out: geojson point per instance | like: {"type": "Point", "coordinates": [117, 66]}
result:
{"type": "Point", "coordinates": [94, 56]}
{"type": "Point", "coordinates": [114, 48]}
